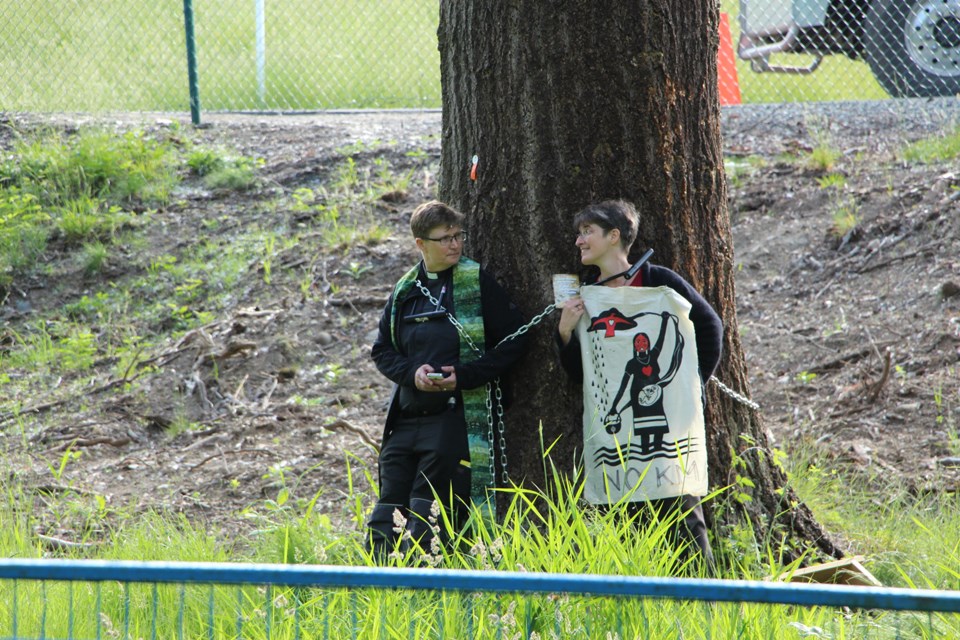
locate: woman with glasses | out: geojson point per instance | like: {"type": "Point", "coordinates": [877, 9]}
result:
{"type": "Point", "coordinates": [439, 342]}
{"type": "Point", "coordinates": [648, 361]}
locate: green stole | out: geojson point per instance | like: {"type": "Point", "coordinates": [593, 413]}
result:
{"type": "Point", "coordinates": [468, 312]}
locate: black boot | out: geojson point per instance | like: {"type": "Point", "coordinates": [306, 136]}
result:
{"type": "Point", "coordinates": [422, 524]}
{"type": "Point", "coordinates": [382, 532]}
{"type": "Point", "coordinates": [694, 528]}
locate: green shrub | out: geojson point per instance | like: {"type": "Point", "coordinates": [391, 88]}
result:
{"type": "Point", "coordinates": [234, 175]}
{"type": "Point", "coordinates": [23, 233]}
{"type": "Point", "coordinates": [93, 257]}
{"type": "Point", "coordinates": [93, 164]}
{"type": "Point", "coordinates": [934, 149]}
{"type": "Point", "coordinates": [204, 162]}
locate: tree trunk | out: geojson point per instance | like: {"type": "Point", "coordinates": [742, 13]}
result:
{"type": "Point", "coordinates": [568, 102]}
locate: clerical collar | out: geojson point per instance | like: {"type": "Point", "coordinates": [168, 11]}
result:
{"type": "Point", "coordinates": [436, 275]}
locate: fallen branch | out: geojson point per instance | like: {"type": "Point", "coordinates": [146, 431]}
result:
{"type": "Point", "coordinates": [253, 312]}
{"type": "Point", "coordinates": [845, 359]}
{"type": "Point", "coordinates": [233, 348]}
{"type": "Point", "coordinates": [58, 544]}
{"type": "Point", "coordinates": [361, 300]}
{"type": "Point", "coordinates": [212, 438]}
{"type": "Point", "coordinates": [41, 408]}
{"type": "Point", "coordinates": [165, 358]}
{"type": "Point", "coordinates": [196, 383]}
{"type": "Point", "coordinates": [343, 425]}
{"type": "Point", "coordinates": [841, 361]}
{"type": "Point", "coordinates": [232, 452]}
{"type": "Point", "coordinates": [51, 489]}
{"type": "Point", "coordinates": [877, 387]}
{"type": "Point", "coordinates": [266, 399]}
{"type": "Point", "coordinates": [846, 413]}
{"type": "Point", "coordinates": [879, 265]}
{"type": "Point", "coordinates": [236, 394]}
{"type": "Point", "coordinates": [91, 442]}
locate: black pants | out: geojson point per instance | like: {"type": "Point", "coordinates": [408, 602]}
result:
{"type": "Point", "coordinates": [690, 529]}
{"type": "Point", "coordinates": [423, 460]}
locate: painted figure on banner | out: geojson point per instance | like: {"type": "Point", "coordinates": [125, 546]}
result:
{"type": "Point", "coordinates": [646, 393]}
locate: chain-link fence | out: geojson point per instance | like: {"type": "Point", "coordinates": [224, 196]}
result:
{"type": "Point", "coordinates": [802, 50]}
{"type": "Point", "coordinates": [252, 55]}
{"type": "Point", "coordinates": [301, 55]}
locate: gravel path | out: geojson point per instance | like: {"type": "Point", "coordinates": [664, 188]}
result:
{"type": "Point", "coordinates": [770, 128]}
{"type": "Point", "coordinates": [877, 126]}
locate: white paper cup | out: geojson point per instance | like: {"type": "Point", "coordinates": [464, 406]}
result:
{"type": "Point", "coordinates": [565, 286]}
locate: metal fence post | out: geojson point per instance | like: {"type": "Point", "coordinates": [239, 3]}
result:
{"type": "Point", "coordinates": [261, 28]}
{"type": "Point", "coordinates": [191, 62]}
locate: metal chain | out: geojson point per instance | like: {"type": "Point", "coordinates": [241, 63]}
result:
{"type": "Point", "coordinates": [456, 323]}
{"type": "Point", "coordinates": [742, 399]}
{"type": "Point", "coordinates": [493, 389]}
{"type": "Point", "coordinates": [503, 436]}
{"type": "Point", "coordinates": [493, 466]}
{"type": "Point", "coordinates": [537, 319]}
{"type": "Point", "coordinates": [490, 386]}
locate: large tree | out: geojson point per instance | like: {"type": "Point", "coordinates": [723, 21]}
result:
{"type": "Point", "coordinates": [564, 102]}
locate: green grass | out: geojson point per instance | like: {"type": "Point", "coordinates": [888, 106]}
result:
{"type": "Point", "coordinates": [916, 542]}
{"type": "Point", "coordinates": [23, 233]}
{"type": "Point", "coordinates": [124, 56]}
{"type": "Point", "coordinates": [76, 205]}
{"type": "Point", "coordinates": [823, 158]}
{"type": "Point", "coordinates": [62, 347]}
{"type": "Point", "coordinates": [912, 540]}
{"type": "Point", "coordinates": [76, 172]}
{"type": "Point", "coordinates": [845, 215]}
{"type": "Point", "coordinates": [76, 189]}
{"type": "Point", "coordinates": [935, 148]}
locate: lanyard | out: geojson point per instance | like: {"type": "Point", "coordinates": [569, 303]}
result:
{"type": "Point", "coordinates": [629, 273]}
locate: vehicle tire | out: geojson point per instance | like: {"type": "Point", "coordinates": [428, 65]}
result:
{"type": "Point", "coordinates": [913, 46]}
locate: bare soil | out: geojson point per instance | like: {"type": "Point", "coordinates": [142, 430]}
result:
{"type": "Point", "coordinates": [852, 336]}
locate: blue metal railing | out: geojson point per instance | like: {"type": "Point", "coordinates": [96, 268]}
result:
{"type": "Point", "coordinates": [276, 585]}
{"type": "Point", "coordinates": [808, 595]}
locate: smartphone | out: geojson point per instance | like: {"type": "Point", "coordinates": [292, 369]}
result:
{"type": "Point", "coordinates": [436, 376]}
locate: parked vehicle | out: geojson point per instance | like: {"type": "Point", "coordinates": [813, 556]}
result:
{"type": "Point", "coordinates": [911, 46]}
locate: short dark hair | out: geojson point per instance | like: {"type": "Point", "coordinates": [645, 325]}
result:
{"type": "Point", "coordinates": [609, 215]}
{"type": "Point", "coordinates": [433, 214]}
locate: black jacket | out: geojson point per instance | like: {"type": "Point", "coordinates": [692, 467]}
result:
{"type": "Point", "coordinates": [500, 318]}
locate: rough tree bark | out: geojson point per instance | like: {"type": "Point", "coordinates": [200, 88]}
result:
{"type": "Point", "coordinates": [564, 102]}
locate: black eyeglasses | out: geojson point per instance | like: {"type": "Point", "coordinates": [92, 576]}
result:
{"type": "Point", "coordinates": [459, 237]}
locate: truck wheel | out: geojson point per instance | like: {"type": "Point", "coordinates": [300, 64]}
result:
{"type": "Point", "coordinates": [913, 46]}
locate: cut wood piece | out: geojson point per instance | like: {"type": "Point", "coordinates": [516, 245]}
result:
{"type": "Point", "coordinates": [848, 571]}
